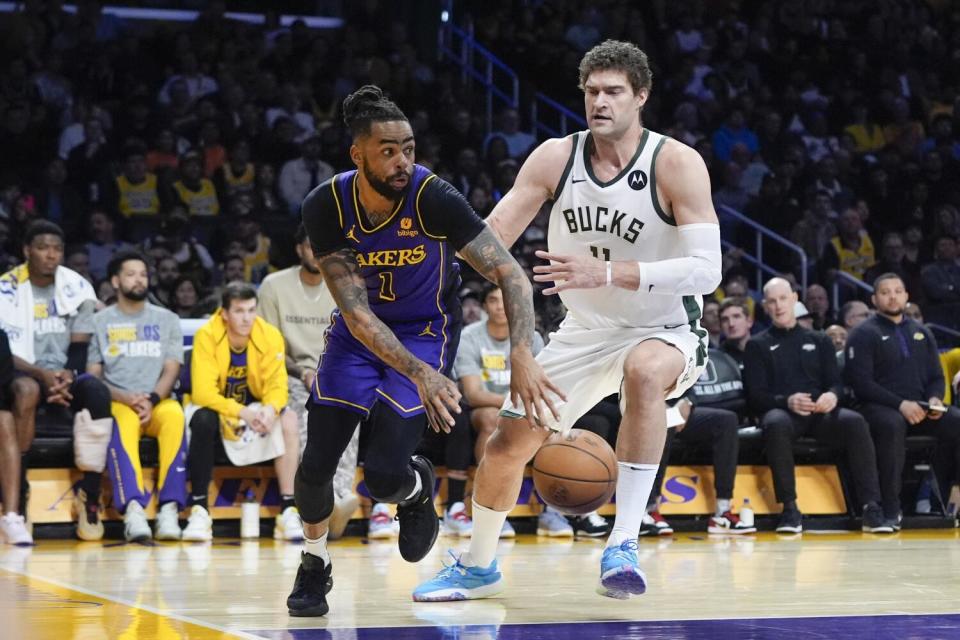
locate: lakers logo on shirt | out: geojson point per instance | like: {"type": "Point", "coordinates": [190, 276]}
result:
{"type": "Point", "coordinates": [133, 340]}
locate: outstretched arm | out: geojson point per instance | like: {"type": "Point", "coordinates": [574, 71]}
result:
{"type": "Point", "coordinates": [537, 181]}
{"type": "Point", "coordinates": [528, 382]}
{"type": "Point", "coordinates": [438, 393]}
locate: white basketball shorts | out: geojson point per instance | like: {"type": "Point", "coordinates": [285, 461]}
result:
{"type": "Point", "coordinates": [587, 365]}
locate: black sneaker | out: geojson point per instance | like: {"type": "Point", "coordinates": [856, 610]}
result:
{"type": "Point", "coordinates": [592, 525]}
{"type": "Point", "coordinates": [873, 520]}
{"type": "Point", "coordinates": [419, 523]}
{"type": "Point", "coordinates": [895, 523]}
{"type": "Point", "coordinates": [791, 521]}
{"type": "Point", "coordinates": [310, 589]}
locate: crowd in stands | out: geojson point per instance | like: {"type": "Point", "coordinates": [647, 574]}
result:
{"type": "Point", "coordinates": [195, 143]}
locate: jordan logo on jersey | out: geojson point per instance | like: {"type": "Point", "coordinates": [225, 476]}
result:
{"type": "Point", "coordinates": [352, 234]}
{"type": "Point", "coordinates": [428, 331]}
{"type": "Point", "coordinates": [603, 219]}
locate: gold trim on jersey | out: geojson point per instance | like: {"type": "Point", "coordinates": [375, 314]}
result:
{"type": "Point", "coordinates": [336, 200]}
{"type": "Point", "coordinates": [360, 217]}
{"type": "Point", "coordinates": [443, 329]}
{"type": "Point", "coordinates": [416, 206]}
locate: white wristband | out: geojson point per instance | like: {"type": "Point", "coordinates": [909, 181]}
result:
{"type": "Point", "coordinates": [609, 273]}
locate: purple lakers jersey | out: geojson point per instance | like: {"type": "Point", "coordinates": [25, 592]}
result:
{"type": "Point", "coordinates": [410, 274]}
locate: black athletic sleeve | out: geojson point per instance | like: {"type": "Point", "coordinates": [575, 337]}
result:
{"type": "Point", "coordinates": [321, 219]}
{"type": "Point", "coordinates": [445, 213]}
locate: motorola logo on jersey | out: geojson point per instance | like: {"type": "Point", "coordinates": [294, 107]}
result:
{"type": "Point", "coordinates": [603, 219]}
{"type": "Point", "coordinates": [392, 257]}
{"type": "Point", "coordinates": [637, 180]}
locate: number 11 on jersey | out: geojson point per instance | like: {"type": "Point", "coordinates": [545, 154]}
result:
{"type": "Point", "coordinates": [596, 252]}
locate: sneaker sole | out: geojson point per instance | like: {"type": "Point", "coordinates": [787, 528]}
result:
{"type": "Point", "coordinates": [458, 594]}
{"type": "Point", "coordinates": [622, 583]}
{"type": "Point", "coordinates": [554, 534]}
{"type": "Point", "coordinates": [146, 537]}
{"type": "Point", "coordinates": [167, 537]}
{"type": "Point", "coordinates": [789, 529]}
{"type": "Point", "coordinates": [881, 529]}
{"type": "Point", "coordinates": [732, 532]}
{"type": "Point", "coordinates": [310, 612]}
{"type": "Point", "coordinates": [591, 534]}
{"type": "Point", "coordinates": [205, 538]}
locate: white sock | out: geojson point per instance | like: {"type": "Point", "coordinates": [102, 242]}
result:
{"type": "Point", "coordinates": [634, 482]}
{"type": "Point", "coordinates": [317, 547]}
{"type": "Point", "coordinates": [487, 524]}
{"type": "Point", "coordinates": [418, 484]}
{"type": "Point", "coordinates": [723, 505]}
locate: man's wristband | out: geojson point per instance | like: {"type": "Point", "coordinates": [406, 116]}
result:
{"type": "Point", "coordinates": [154, 398]}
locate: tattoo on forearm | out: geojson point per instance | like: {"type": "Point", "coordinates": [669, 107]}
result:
{"type": "Point", "coordinates": [342, 274]}
{"type": "Point", "coordinates": [490, 258]}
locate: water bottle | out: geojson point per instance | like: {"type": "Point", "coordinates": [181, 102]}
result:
{"type": "Point", "coordinates": [746, 513]}
{"type": "Point", "coordinates": [250, 516]}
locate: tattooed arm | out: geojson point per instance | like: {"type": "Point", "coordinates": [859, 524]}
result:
{"type": "Point", "coordinates": [438, 393]}
{"type": "Point", "coordinates": [528, 383]}
{"type": "Point", "coordinates": [491, 259]}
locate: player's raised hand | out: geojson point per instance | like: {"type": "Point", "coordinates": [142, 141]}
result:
{"type": "Point", "coordinates": [570, 272]}
{"type": "Point", "coordinates": [529, 386]}
{"type": "Point", "coordinates": [440, 398]}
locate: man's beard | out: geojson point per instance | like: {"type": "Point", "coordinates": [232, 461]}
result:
{"type": "Point", "coordinates": [895, 311]}
{"type": "Point", "coordinates": [134, 295]}
{"type": "Point", "coordinates": [383, 187]}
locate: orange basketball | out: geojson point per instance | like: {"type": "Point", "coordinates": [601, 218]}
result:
{"type": "Point", "coordinates": [575, 473]}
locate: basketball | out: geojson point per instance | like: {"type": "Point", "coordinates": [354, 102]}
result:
{"type": "Point", "coordinates": [575, 473]}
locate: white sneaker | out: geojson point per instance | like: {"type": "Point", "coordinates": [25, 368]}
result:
{"type": "Point", "coordinates": [199, 525]}
{"type": "Point", "coordinates": [13, 530]}
{"type": "Point", "coordinates": [456, 522]}
{"type": "Point", "coordinates": [552, 523]}
{"type": "Point", "coordinates": [135, 525]}
{"type": "Point", "coordinates": [288, 526]}
{"type": "Point", "coordinates": [507, 530]}
{"type": "Point", "coordinates": [167, 526]}
{"type": "Point", "coordinates": [343, 509]}
{"type": "Point", "coordinates": [382, 524]}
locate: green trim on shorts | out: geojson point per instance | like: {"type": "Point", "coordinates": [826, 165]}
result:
{"type": "Point", "coordinates": [694, 313]}
{"type": "Point", "coordinates": [507, 413]}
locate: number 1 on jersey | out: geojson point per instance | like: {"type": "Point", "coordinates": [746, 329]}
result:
{"type": "Point", "coordinates": [596, 253]}
{"type": "Point", "coordinates": [386, 286]}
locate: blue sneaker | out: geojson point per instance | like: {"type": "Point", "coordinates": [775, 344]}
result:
{"type": "Point", "coordinates": [620, 574]}
{"type": "Point", "coordinates": [458, 582]}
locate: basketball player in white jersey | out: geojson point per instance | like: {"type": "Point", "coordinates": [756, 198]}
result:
{"type": "Point", "coordinates": [633, 244]}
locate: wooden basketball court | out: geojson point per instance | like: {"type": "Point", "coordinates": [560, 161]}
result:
{"type": "Point", "coordinates": [824, 585]}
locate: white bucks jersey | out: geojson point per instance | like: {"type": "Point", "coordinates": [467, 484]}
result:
{"type": "Point", "coordinates": [618, 220]}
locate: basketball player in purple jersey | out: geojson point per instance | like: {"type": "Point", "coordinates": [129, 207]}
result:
{"type": "Point", "coordinates": [384, 236]}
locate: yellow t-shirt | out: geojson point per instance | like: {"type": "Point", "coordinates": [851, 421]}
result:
{"type": "Point", "coordinates": [202, 203]}
{"type": "Point", "coordinates": [138, 199]}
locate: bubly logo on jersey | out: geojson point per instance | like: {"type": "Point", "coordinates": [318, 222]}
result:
{"type": "Point", "coordinates": [602, 219]}
{"type": "Point", "coordinates": [392, 257]}
{"type": "Point", "coordinates": [637, 180]}
{"type": "Point", "coordinates": [405, 229]}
